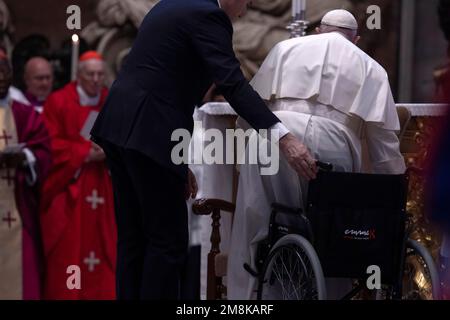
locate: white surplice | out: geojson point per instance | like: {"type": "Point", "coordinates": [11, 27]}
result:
{"type": "Point", "coordinates": [331, 95]}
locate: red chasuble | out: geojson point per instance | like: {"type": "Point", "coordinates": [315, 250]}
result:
{"type": "Point", "coordinates": [21, 261]}
{"type": "Point", "coordinates": [77, 216]}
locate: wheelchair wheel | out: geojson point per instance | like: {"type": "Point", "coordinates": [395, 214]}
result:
{"type": "Point", "coordinates": [292, 271]}
{"type": "Point", "coordinates": [420, 275]}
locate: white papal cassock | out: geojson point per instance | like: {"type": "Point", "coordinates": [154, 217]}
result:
{"type": "Point", "coordinates": [331, 95]}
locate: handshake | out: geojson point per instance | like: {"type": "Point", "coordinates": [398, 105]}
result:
{"type": "Point", "coordinates": [13, 157]}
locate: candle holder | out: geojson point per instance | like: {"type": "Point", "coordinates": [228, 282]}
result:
{"type": "Point", "coordinates": [298, 26]}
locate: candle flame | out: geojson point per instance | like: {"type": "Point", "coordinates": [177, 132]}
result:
{"type": "Point", "coordinates": [75, 38]}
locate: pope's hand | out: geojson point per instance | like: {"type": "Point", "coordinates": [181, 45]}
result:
{"type": "Point", "coordinates": [191, 186]}
{"type": "Point", "coordinates": [298, 156]}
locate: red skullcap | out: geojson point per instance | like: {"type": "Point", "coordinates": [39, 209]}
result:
{"type": "Point", "coordinates": [91, 55]}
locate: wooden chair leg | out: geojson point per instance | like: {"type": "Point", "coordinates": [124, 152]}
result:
{"type": "Point", "coordinates": [215, 288]}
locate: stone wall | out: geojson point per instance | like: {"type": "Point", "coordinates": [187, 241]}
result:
{"type": "Point", "coordinates": [48, 17]}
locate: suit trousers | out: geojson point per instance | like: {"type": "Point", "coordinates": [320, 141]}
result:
{"type": "Point", "coordinates": [152, 225]}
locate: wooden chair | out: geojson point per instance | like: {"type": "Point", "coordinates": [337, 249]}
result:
{"type": "Point", "coordinates": [217, 260]}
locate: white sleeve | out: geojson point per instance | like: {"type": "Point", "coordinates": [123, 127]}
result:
{"type": "Point", "coordinates": [384, 150]}
{"type": "Point", "coordinates": [276, 132]}
{"type": "Point", "coordinates": [30, 163]}
{"type": "Point", "coordinates": [273, 134]}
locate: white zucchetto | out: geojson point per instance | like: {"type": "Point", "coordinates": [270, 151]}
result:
{"type": "Point", "coordinates": [340, 18]}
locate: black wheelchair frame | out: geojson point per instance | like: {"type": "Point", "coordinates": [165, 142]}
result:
{"type": "Point", "coordinates": [299, 223]}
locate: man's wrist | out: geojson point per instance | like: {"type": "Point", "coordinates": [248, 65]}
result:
{"type": "Point", "coordinates": [277, 132]}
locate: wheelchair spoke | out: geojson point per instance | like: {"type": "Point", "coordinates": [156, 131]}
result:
{"type": "Point", "coordinates": [290, 276]}
{"type": "Point", "coordinates": [287, 273]}
{"type": "Point", "coordinates": [278, 275]}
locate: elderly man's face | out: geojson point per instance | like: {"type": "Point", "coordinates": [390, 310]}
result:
{"type": "Point", "coordinates": [235, 8]}
{"type": "Point", "coordinates": [91, 76]}
{"type": "Point", "coordinates": [39, 78]}
{"type": "Point", "coordinates": [5, 78]}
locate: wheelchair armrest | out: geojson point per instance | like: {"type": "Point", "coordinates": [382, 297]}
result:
{"type": "Point", "coordinates": [285, 209]}
{"type": "Point", "coordinates": [204, 207]}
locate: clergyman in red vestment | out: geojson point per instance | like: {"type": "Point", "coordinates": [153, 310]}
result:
{"type": "Point", "coordinates": [77, 216]}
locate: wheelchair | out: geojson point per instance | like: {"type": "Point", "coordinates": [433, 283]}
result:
{"type": "Point", "coordinates": [353, 224]}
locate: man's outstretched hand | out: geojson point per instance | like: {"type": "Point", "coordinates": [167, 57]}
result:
{"type": "Point", "coordinates": [298, 156]}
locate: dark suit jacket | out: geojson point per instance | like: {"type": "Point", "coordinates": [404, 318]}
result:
{"type": "Point", "coordinates": [183, 46]}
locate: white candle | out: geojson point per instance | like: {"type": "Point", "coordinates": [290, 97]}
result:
{"type": "Point", "coordinates": [75, 53]}
{"type": "Point", "coordinates": [298, 6]}
{"type": "Point", "coordinates": [303, 5]}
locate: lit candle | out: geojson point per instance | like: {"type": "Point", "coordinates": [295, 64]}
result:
{"type": "Point", "coordinates": [294, 8]}
{"type": "Point", "coordinates": [75, 53]}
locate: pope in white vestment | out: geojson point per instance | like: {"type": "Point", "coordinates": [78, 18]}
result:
{"type": "Point", "coordinates": [332, 96]}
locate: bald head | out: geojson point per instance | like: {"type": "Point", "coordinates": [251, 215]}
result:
{"type": "Point", "coordinates": [38, 77]}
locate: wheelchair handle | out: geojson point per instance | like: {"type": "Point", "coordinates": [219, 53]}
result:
{"type": "Point", "coordinates": [325, 166]}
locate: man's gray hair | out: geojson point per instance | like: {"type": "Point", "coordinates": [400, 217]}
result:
{"type": "Point", "coordinates": [348, 33]}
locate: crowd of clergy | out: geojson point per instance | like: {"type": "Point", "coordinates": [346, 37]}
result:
{"type": "Point", "coordinates": [56, 203]}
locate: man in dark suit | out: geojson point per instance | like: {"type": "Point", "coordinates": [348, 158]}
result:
{"type": "Point", "coordinates": [181, 49]}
